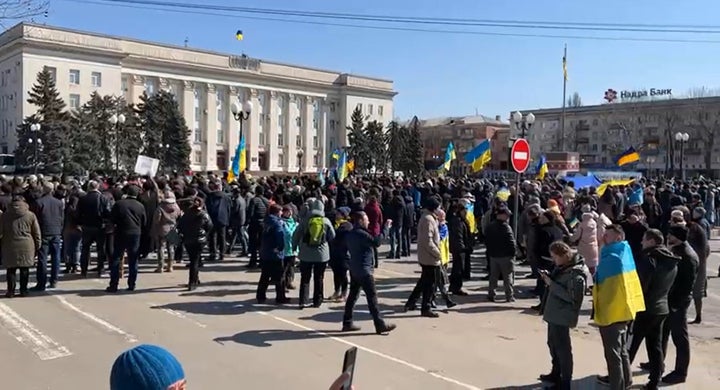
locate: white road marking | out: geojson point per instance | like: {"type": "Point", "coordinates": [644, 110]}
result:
{"type": "Point", "coordinates": [372, 351]}
{"type": "Point", "coordinates": [520, 156]}
{"type": "Point", "coordinates": [178, 314]}
{"type": "Point", "coordinates": [383, 270]}
{"type": "Point", "coordinates": [26, 334]}
{"type": "Point", "coordinates": [108, 326]}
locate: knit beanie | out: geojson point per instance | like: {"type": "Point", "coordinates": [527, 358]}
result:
{"type": "Point", "coordinates": [678, 231]}
{"type": "Point", "coordinates": [146, 367]}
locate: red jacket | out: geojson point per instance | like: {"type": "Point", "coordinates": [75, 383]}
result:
{"type": "Point", "coordinates": [375, 216]}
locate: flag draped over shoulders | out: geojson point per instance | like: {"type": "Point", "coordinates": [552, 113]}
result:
{"type": "Point", "coordinates": [617, 294]}
{"type": "Point", "coordinates": [444, 244]}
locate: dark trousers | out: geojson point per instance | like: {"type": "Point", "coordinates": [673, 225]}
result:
{"type": "Point", "coordinates": [216, 242]}
{"type": "Point", "coordinates": [194, 250]}
{"type": "Point", "coordinates": [650, 328]}
{"type": "Point", "coordinates": [92, 235]}
{"type": "Point", "coordinates": [560, 345]}
{"type": "Point", "coordinates": [405, 240]}
{"type": "Point", "coordinates": [467, 259]}
{"type": "Point", "coordinates": [425, 286]}
{"type": "Point", "coordinates": [395, 244]}
{"type": "Point", "coordinates": [456, 274]}
{"type": "Point", "coordinates": [288, 265]}
{"type": "Point", "coordinates": [614, 339]}
{"type": "Point", "coordinates": [255, 230]}
{"type": "Point", "coordinates": [12, 279]}
{"type": "Point", "coordinates": [129, 243]}
{"type": "Point", "coordinates": [50, 246]}
{"type": "Point", "coordinates": [340, 275]}
{"type": "Point", "coordinates": [71, 248]}
{"type": "Point", "coordinates": [237, 233]}
{"type": "Point", "coordinates": [271, 271]}
{"type": "Point", "coordinates": [367, 284]}
{"type": "Point", "coordinates": [676, 326]}
{"type": "Point", "coordinates": [376, 259]}
{"type": "Point", "coordinates": [317, 272]}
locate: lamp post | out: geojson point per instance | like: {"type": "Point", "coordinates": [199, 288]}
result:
{"type": "Point", "coordinates": [117, 121]}
{"type": "Point", "coordinates": [522, 123]}
{"type": "Point", "coordinates": [650, 160]}
{"type": "Point", "coordinates": [300, 155]}
{"type": "Point", "coordinates": [37, 143]}
{"type": "Point", "coordinates": [241, 114]}
{"type": "Point", "coordinates": [682, 139]}
{"type": "Point", "coordinates": [163, 151]}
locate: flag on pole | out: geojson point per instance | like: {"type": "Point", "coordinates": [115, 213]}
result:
{"type": "Point", "coordinates": [542, 168]}
{"type": "Point", "coordinates": [239, 35]}
{"type": "Point", "coordinates": [565, 73]}
{"type": "Point", "coordinates": [450, 155]}
{"type": "Point", "coordinates": [342, 168]}
{"type": "Point", "coordinates": [478, 156]}
{"type": "Point", "coordinates": [239, 162]}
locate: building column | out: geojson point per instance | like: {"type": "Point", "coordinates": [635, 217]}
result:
{"type": "Point", "coordinates": [164, 84]}
{"type": "Point", "coordinates": [251, 129]}
{"type": "Point", "coordinates": [233, 135]}
{"type": "Point", "coordinates": [323, 142]}
{"type": "Point", "coordinates": [211, 123]}
{"type": "Point", "coordinates": [272, 134]}
{"type": "Point", "coordinates": [292, 131]}
{"type": "Point", "coordinates": [136, 88]}
{"type": "Point", "coordinates": [188, 110]}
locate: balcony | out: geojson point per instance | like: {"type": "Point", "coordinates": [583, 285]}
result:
{"type": "Point", "coordinates": [582, 127]}
{"type": "Point", "coordinates": [583, 140]}
{"type": "Point", "coordinates": [693, 152]}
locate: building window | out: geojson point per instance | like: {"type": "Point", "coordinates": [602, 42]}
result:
{"type": "Point", "coordinates": [370, 109]}
{"type": "Point", "coordinates": [74, 101]}
{"type": "Point", "coordinates": [149, 86]}
{"type": "Point", "coordinates": [380, 110]}
{"type": "Point", "coordinates": [124, 84]}
{"type": "Point", "coordinates": [221, 159]}
{"type": "Point", "coordinates": [359, 106]}
{"type": "Point", "coordinates": [298, 141]}
{"type": "Point", "coordinates": [261, 138]}
{"type": "Point", "coordinates": [595, 122]}
{"type": "Point", "coordinates": [316, 142]}
{"type": "Point", "coordinates": [332, 107]}
{"type": "Point", "coordinates": [280, 139]}
{"type": "Point", "coordinates": [198, 134]}
{"type": "Point", "coordinates": [220, 136]}
{"type": "Point", "coordinates": [332, 124]}
{"type": "Point", "coordinates": [96, 79]}
{"type": "Point", "coordinates": [281, 160]}
{"type": "Point", "coordinates": [74, 76]}
{"type": "Point", "coordinates": [197, 157]}
{"type": "Point", "coordinates": [316, 160]}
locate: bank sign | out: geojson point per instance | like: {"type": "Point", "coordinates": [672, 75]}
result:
{"type": "Point", "coordinates": [645, 93]}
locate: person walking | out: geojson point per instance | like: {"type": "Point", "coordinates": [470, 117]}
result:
{"type": "Point", "coordinates": [460, 239]}
{"type": "Point", "coordinates": [20, 240]}
{"type": "Point", "coordinates": [50, 212]}
{"type": "Point", "coordinates": [360, 243]}
{"type": "Point", "coordinates": [429, 258]}
{"type": "Point", "coordinates": [194, 227]}
{"type": "Point", "coordinates": [312, 237]}
{"type": "Point", "coordinates": [501, 249]}
{"type": "Point", "coordinates": [129, 219]}
{"type": "Point", "coordinates": [256, 211]}
{"type": "Point", "coordinates": [339, 255]}
{"type": "Point", "coordinates": [272, 253]}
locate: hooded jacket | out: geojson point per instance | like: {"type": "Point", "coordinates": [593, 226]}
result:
{"type": "Point", "coordinates": [289, 227]}
{"type": "Point", "coordinates": [313, 254]}
{"type": "Point", "coordinates": [565, 294]}
{"type": "Point", "coordinates": [272, 246]}
{"type": "Point", "coordinates": [360, 244]}
{"type": "Point", "coordinates": [657, 268]}
{"type": "Point", "coordinates": [339, 246]}
{"type": "Point", "coordinates": [586, 237]}
{"type": "Point", "coordinates": [19, 236]}
{"type": "Point", "coordinates": [218, 207]}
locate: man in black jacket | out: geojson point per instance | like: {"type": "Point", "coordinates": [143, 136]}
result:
{"type": "Point", "coordinates": [408, 224]}
{"type": "Point", "coordinates": [396, 212]}
{"type": "Point", "coordinates": [679, 300]}
{"type": "Point", "coordinates": [51, 214]}
{"type": "Point", "coordinates": [92, 210]}
{"type": "Point", "coordinates": [656, 269]}
{"type": "Point", "coordinates": [501, 249]}
{"type": "Point", "coordinates": [460, 239]}
{"type": "Point", "coordinates": [128, 216]}
{"type": "Point", "coordinates": [257, 209]}
{"type": "Point", "coordinates": [218, 207]}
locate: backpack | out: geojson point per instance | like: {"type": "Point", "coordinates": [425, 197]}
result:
{"type": "Point", "coordinates": [315, 232]}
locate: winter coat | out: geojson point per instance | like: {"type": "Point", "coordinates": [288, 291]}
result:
{"type": "Point", "coordinates": [360, 244]}
{"type": "Point", "coordinates": [428, 240]}
{"type": "Point", "coordinates": [657, 269]}
{"type": "Point", "coordinates": [586, 237]}
{"type": "Point", "coordinates": [313, 254]}
{"type": "Point", "coordinates": [375, 216]}
{"type": "Point", "coordinates": [272, 245]}
{"type": "Point", "coordinates": [51, 215]}
{"type": "Point", "coordinates": [165, 219]}
{"type": "Point", "coordinates": [19, 236]}
{"type": "Point", "coordinates": [289, 227]}
{"type": "Point", "coordinates": [681, 291]}
{"type": "Point", "coordinates": [218, 207]}
{"type": "Point", "coordinates": [339, 246]}
{"type": "Point", "coordinates": [194, 226]}
{"type": "Point", "coordinates": [460, 237]}
{"type": "Point", "coordinates": [565, 294]}
{"type": "Point", "coordinates": [698, 240]}
{"type": "Point", "coordinates": [499, 239]}
{"type": "Point", "coordinates": [634, 233]}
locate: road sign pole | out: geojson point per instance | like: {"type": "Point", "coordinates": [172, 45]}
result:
{"type": "Point", "coordinates": [516, 200]}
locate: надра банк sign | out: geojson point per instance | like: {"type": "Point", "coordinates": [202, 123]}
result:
{"type": "Point", "coordinates": [643, 93]}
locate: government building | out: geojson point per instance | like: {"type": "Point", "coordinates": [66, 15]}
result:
{"type": "Point", "coordinates": [295, 108]}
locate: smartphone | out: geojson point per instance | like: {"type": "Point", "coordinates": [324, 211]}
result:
{"type": "Point", "coordinates": [349, 367]}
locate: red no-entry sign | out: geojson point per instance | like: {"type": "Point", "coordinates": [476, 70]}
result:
{"type": "Point", "coordinates": [520, 155]}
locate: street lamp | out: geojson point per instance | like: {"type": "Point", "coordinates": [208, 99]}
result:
{"type": "Point", "coordinates": [682, 139]}
{"type": "Point", "coordinates": [523, 125]}
{"type": "Point", "coordinates": [163, 151]}
{"type": "Point", "coordinates": [650, 161]}
{"type": "Point", "coordinates": [300, 154]}
{"type": "Point", "coordinates": [241, 114]}
{"type": "Point", "coordinates": [37, 144]}
{"type": "Point", "coordinates": [117, 121]}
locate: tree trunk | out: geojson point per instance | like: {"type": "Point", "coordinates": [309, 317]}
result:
{"type": "Point", "coordinates": [709, 154]}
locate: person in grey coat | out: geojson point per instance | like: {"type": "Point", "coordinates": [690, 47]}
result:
{"type": "Point", "coordinates": [563, 299]}
{"type": "Point", "coordinates": [314, 253]}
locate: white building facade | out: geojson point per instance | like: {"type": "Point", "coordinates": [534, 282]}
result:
{"type": "Point", "coordinates": [295, 108]}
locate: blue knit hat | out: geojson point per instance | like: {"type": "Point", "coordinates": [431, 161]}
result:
{"type": "Point", "coordinates": [146, 367]}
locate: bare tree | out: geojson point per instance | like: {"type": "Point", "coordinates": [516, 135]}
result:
{"type": "Point", "coordinates": [623, 124]}
{"type": "Point", "coordinates": [671, 120]}
{"type": "Point", "coordinates": [705, 120]}
{"type": "Point", "coordinates": [15, 10]}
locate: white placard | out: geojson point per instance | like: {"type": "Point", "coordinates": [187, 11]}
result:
{"type": "Point", "coordinates": [147, 166]}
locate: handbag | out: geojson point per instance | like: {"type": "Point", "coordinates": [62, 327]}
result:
{"type": "Point", "coordinates": [173, 237]}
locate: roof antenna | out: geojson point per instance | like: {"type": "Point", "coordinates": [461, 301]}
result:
{"type": "Point", "coordinates": [186, 41]}
{"type": "Point", "coordinates": [476, 111]}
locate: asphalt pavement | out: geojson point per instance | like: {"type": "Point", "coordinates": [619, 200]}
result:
{"type": "Point", "coordinates": [67, 339]}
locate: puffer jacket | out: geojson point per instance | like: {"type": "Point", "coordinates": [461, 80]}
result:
{"type": "Point", "coordinates": [19, 236]}
{"type": "Point", "coordinates": [586, 237]}
{"type": "Point", "coordinates": [428, 241]}
{"type": "Point", "coordinates": [194, 226]}
{"type": "Point", "coordinates": [313, 254]}
{"type": "Point", "coordinates": [565, 294]}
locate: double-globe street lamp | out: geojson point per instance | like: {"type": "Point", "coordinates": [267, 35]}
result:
{"type": "Point", "coordinates": [682, 139]}
{"type": "Point", "coordinates": [37, 144]}
{"type": "Point", "coordinates": [117, 121]}
{"type": "Point", "coordinates": [300, 154]}
{"type": "Point", "coordinates": [241, 114]}
{"type": "Point", "coordinates": [522, 123]}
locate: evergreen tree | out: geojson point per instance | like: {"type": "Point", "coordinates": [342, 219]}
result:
{"type": "Point", "coordinates": [358, 141]}
{"type": "Point", "coordinates": [163, 125]}
{"type": "Point", "coordinates": [397, 146]}
{"type": "Point", "coordinates": [55, 128]}
{"type": "Point", "coordinates": [377, 146]}
{"type": "Point", "coordinates": [415, 164]}
{"type": "Point", "coordinates": [131, 140]}
{"type": "Point", "coordinates": [94, 135]}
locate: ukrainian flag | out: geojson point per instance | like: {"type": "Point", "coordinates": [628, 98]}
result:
{"type": "Point", "coordinates": [449, 156]}
{"type": "Point", "coordinates": [627, 157]}
{"type": "Point", "coordinates": [542, 168]}
{"type": "Point", "coordinates": [479, 156]}
{"type": "Point", "coordinates": [470, 217]}
{"type": "Point", "coordinates": [616, 182]}
{"type": "Point", "coordinates": [342, 168]}
{"type": "Point", "coordinates": [335, 154]}
{"type": "Point", "coordinates": [617, 294]}
{"type": "Point", "coordinates": [239, 162]}
{"type": "Point", "coordinates": [444, 244]}
{"type": "Point", "coordinates": [239, 35]}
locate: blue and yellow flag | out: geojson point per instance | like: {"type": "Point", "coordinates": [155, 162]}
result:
{"type": "Point", "coordinates": [617, 294]}
{"type": "Point", "coordinates": [239, 35]}
{"type": "Point", "coordinates": [239, 161]}
{"type": "Point", "coordinates": [470, 217]}
{"type": "Point", "coordinates": [449, 156]}
{"type": "Point", "coordinates": [336, 154]}
{"type": "Point", "coordinates": [542, 168]}
{"type": "Point", "coordinates": [342, 168]}
{"type": "Point", "coordinates": [478, 156]}
{"type": "Point", "coordinates": [615, 183]}
{"type": "Point", "coordinates": [444, 244]}
{"type": "Point", "coordinates": [627, 157]}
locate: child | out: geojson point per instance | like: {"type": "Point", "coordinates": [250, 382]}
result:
{"type": "Point", "coordinates": [442, 277]}
{"type": "Point", "coordinates": [339, 255]}
{"type": "Point", "coordinates": [289, 226]}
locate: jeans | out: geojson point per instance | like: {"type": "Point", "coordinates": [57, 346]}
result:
{"type": "Point", "coordinates": [614, 339]}
{"type": "Point", "coordinates": [271, 271]}
{"type": "Point", "coordinates": [317, 272]}
{"type": "Point", "coordinates": [131, 244]}
{"type": "Point", "coordinates": [71, 248]}
{"type": "Point", "coordinates": [216, 242]}
{"type": "Point", "coordinates": [367, 284]}
{"type": "Point", "coordinates": [676, 326]}
{"type": "Point", "coordinates": [194, 251]}
{"type": "Point", "coordinates": [560, 346]}
{"type": "Point", "coordinates": [50, 246]}
{"type": "Point", "coordinates": [395, 244]}
{"type": "Point", "coordinates": [238, 233]}
{"type": "Point", "coordinates": [650, 328]}
{"type": "Point", "coordinates": [163, 245]}
{"type": "Point", "coordinates": [92, 235]}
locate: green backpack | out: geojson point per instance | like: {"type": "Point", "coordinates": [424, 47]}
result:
{"type": "Point", "coordinates": [315, 233]}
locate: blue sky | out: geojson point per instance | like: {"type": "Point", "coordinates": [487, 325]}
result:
{"type": "Point", "coordinates": [442, 74]}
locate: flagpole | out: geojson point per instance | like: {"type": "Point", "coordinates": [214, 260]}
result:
{"type": "Point", "coordinates": [562, 117]}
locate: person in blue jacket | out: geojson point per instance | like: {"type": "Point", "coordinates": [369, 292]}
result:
{"type": "Point", "coordinates": [361, 244]}
{"type": "Point", "coordinates": [339, 255]}
{"type": "Point", "coordinates": [272, 251]}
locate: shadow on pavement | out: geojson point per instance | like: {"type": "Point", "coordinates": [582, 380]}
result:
{"type": "Point", "coordinates": [219, 293]}
{"type": "Point", "coordinates": [265, 338]}
{"type": "Point", "coordinates": [210, 308]}
{"type": "Point", "coordinates": [485, 309]}
{"type": "Point", "coordinates": [587, 383]}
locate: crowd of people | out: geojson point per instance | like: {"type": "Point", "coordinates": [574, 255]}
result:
{"type": "Point", "coordinates": [575, 241]}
